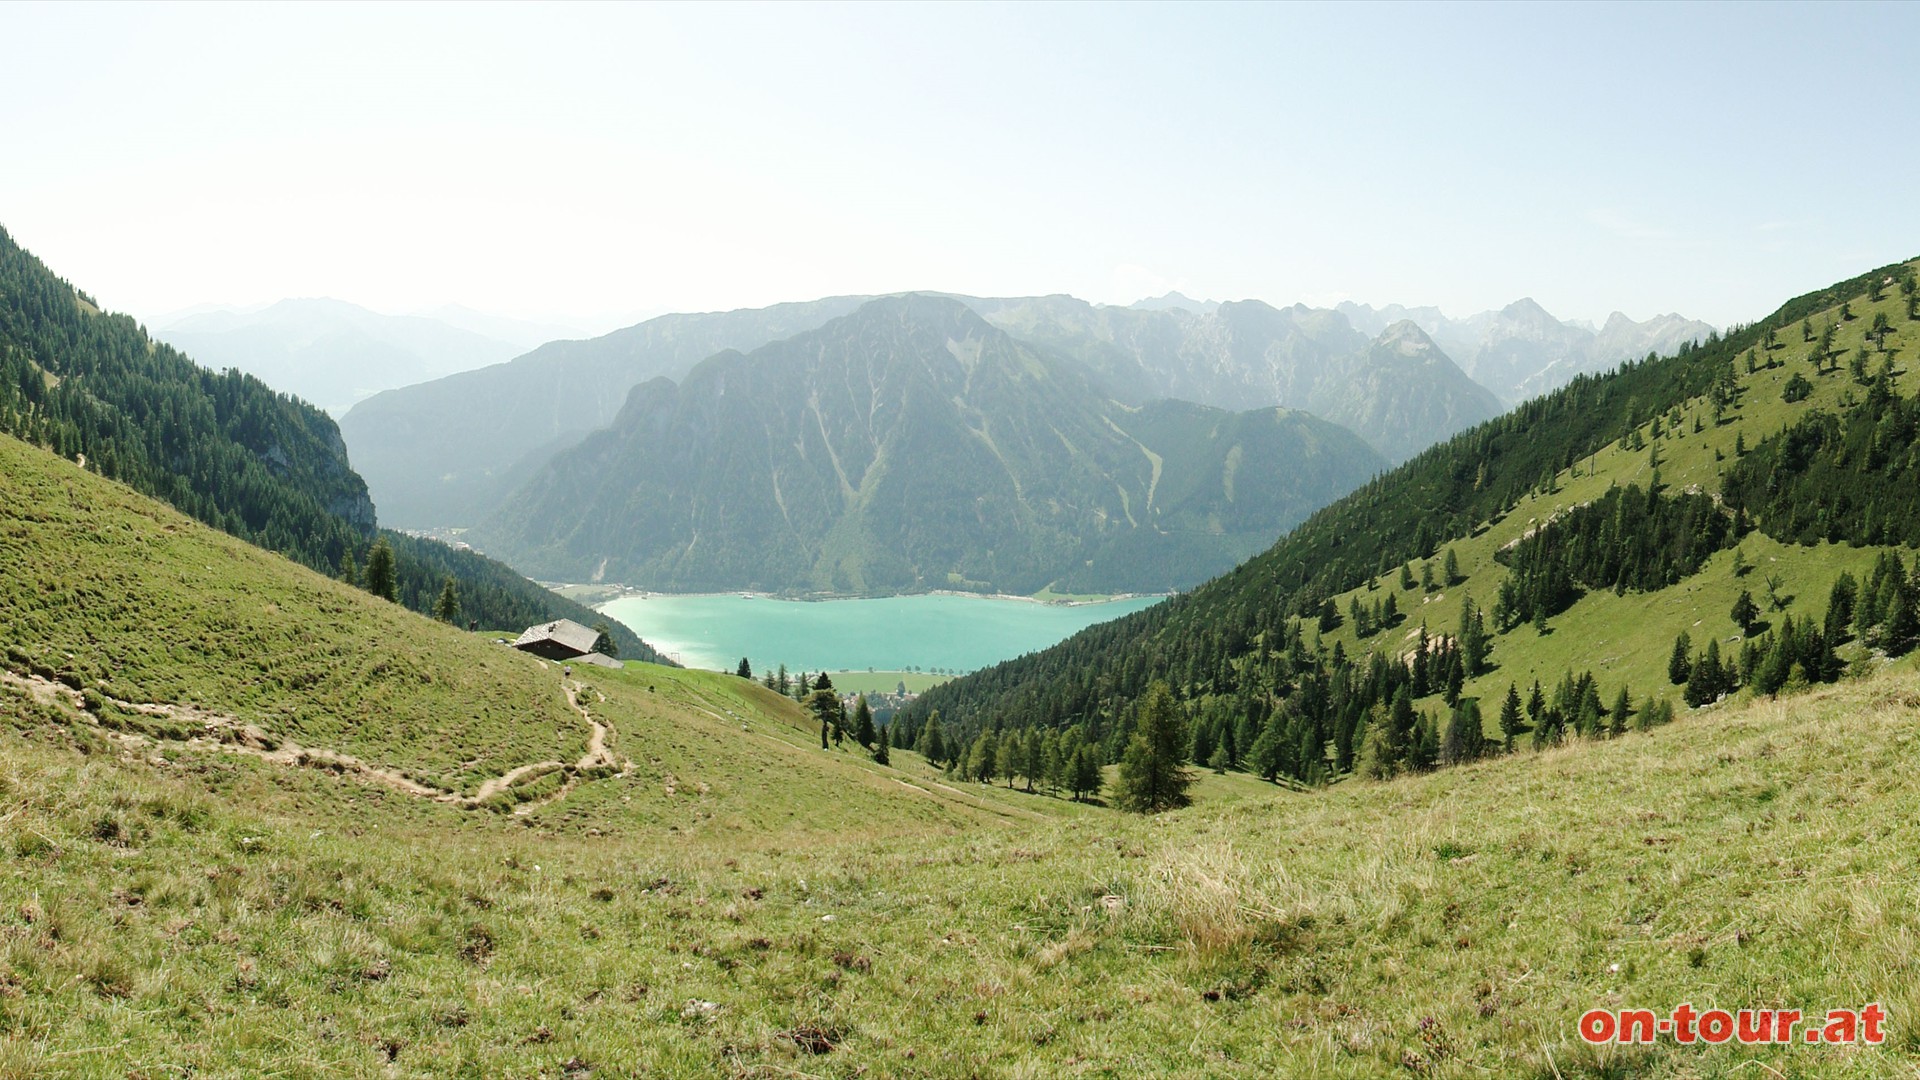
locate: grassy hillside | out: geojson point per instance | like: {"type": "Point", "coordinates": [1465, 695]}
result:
{"type": "Point", "coordinates": [714, 921]}
{"type": "Point", "coordinates": [722, 896]}
{"type": "Point", "coordinates": [1240, 643]}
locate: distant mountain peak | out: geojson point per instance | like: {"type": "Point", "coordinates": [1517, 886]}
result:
{"type": "Point", "coordinates": [1175, 301]}
{"type": "Point", "coordinates": [1528, 309]}
{"type": "Point", "coordinates": [1405, 338]}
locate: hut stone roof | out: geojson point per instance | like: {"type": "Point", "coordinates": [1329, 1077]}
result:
{"type": "Point", "coordinates": [563, 635]}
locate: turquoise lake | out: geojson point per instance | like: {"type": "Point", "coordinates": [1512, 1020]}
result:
{"type": "Point", "coordinates": [959, 633]}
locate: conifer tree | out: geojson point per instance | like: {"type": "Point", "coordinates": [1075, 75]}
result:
{"type": "Point", "coordinates": [1622, 709]}
{"type": "Point", "coordinates": [933, 744]}
{"type": "Point", "coordinates": [349, 570]}
{"type": "Point", "coordinates": [1745, 611]}
{"type": "Point", "coordinates": [1034, 759]}
{"type": "Point", "coordinates": [1680, 662]}
{"type": "Point", "coordinates": [1474, 641]}
{"type": "Point", "coordinates": [863, 732]}
{"type": "Point", "coordinates": [883, 755]}
{"type": "Point", "coordinates": [1152, 776]}
{"type": "Point", "coordinates": [381, 579]}
{"type": "Point", "coordinates": [745, 670]}
{"type": "Point", "coordinates": [1465, 738]}
{"type": "Point", "coordinates": [1426, 745]}
{"type": "Point", "coordinates": [1399, 733]}
{"type": "Point", "coordinates": [1840, 602]}
{"type": "Point", "coordinates": [447, 608]}
{"type": "Point", "coordinates": [1087, 777]}
{"type": "Point", "coordinates": [1510, 715]}
{"type": "Point", "coordinates": [603, 643]}
{"type": "Point", "coordinates": [1049, 764]}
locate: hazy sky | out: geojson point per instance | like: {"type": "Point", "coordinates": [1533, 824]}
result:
{"type": "Point", "coordinates": [621, 160]}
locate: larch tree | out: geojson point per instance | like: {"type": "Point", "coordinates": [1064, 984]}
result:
{"type": "Point", "coordinates": [1153, 776]}
{"type": "Point", "coordinates": [933, 744]}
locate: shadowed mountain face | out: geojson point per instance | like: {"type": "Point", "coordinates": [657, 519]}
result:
{"type": "Point", "coordinates": [1522, 352]}
{"type": "Point", "coordinates": [446, 452]}
{"type": "Point", "coordinates": [913, 445]}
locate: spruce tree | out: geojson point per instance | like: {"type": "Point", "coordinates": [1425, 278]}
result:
{"type": "Point", "coordinates": [1426, 746]}
{"type": "Point", "coordinates": [1399, 732]}
{"type": "Point", "coordinates": [1474, 641]}
{"type": "Point", "coordinates": [863, 732]}
{"type": "Point", "coordinates": [447, 608]}
{"type": "Point", "coordinates": [1840, 602]}
{"type": "Point", "coordinates": [1465, 739]}
{"type": "Point", "coordinates": [603, 643]}
{"type": "Point", "coordinates": [349, 570]}
{"type": "Point", "coordinates": [1087, 777]}
{"type": "Point", "coordinates": [745, 670]}
{"type": "Point", "coordinates": [1510, 715]}
{"type": "Point", "coordinates": [1622, 708]}
{"type": "Point", "coordinates": [1680, 662]}
{"type": "Point", "coordinates": [1745, 611]}
{"type": "Point", "coordinates": [1152, 776]}
{"type": "Point", "coordinates": [1034, 759]}
{"type": "Point", "coordinates": [882, 756]}
{"type": "Point", "coordinates": [382, 581]}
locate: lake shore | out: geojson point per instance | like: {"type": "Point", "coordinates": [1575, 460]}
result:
{"type": "Point", "coordinates": [599, 593]}
{"type": "Point", "coordinates": [949, 632]}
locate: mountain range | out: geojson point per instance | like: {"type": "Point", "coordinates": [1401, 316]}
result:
{"type": "Point", "coordinates": [334, 354]}
{"type": "Point", "coordinates": [1521, 351]}
{"type": "Point", "coordinates": [913, 445]}
{"type": "Point", "coordinates": [448, 452]}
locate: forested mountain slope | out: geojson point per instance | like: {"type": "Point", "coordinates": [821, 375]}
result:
{"type": "Point", "coordinates": [1561, 551]}
{"type": "Point", "coordinates": [910, 446]}
{"type": "Point", "coordinates": [220, 446]}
